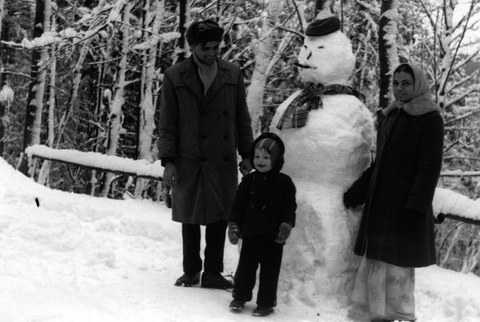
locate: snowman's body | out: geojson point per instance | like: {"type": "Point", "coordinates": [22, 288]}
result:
{"type": "Point", "coordinates": [324, 158]}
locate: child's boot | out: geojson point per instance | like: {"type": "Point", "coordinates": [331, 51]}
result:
{"type": "Point", "coordinates": [237, 305]}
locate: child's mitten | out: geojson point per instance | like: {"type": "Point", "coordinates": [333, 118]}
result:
{"type": "Point", "coordinates": [233, 232]}
{"type": "Point", "coordinates": [283, 232]}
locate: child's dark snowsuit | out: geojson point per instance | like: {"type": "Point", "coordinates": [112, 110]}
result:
{"type": "Point", "coordinates": [263, 202]}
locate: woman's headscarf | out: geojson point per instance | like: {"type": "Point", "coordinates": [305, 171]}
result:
{"type": "Point", "coordinates": [420, 85]}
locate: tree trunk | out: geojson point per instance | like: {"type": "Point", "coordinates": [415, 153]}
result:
{"type": "Point", "coordinates": [147, 108]}
{"type": "Point", "coordinates": [115, 117]}
{"type": "Point", "coordinates": [263, 56]}
{"type": "Point", "coordinates": [321, 4]}
{"type": "Point", "coordinates": [3, 102]}
{"type": "Point", "coordinates": [2, 12]}
{"type": "Point", "coordinates": [99, 133]}
{"type": "Point", "coordinates": [33, 114]}
{"type": "Point", "coordinates": [182, 21]}
{"type": "Point", "coordinates": [387, 49]}
{"type": "Point", "coordinates": [446, 53]}
{"type": "Point", "coordinates": [45, 170]}
{"type": "Point", "coordinates": [6, 99]}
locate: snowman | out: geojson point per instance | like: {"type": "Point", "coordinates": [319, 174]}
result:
{"type": "Point", "coordinates": [328, 134]}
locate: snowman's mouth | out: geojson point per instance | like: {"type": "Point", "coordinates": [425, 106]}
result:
{"type": "Point", "coordinates": [297, 64]}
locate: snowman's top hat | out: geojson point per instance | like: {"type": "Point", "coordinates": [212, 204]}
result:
{"type": "Point", "coordinates": [321, 27]}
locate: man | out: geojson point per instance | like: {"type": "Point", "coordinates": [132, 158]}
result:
{"type": "Point", "coordinates": [204, 119]}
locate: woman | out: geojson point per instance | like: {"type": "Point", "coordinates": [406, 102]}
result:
{"type": "Point", "coordinates": [396, 231]}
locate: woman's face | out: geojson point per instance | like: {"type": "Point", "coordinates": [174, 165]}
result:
{"type": "Point", "coordinates": [403, 86]}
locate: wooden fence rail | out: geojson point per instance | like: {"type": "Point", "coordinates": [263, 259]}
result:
{"type": "Point", "coordinates": [459, 218]}
{"type": "Point", "coordinates": [98, 161]}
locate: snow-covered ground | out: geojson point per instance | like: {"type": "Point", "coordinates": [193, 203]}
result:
{"type": "Point", "coordinates": [79, 258]}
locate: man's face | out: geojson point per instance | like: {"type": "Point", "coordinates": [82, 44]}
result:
{"type": "Point", "coordinates": [207, 52]}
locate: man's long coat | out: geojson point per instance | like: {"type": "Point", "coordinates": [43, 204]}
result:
{"type": "Point", "coordinates": [202, 133]}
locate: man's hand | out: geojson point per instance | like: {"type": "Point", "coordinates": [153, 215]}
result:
{"type": "Point", "coordinates": [245, 166]}
{"type": "Point", "coordinates": [169, 174]}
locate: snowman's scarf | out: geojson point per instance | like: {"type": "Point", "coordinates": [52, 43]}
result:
{"type": "Point", "coordinates": [296, 113]}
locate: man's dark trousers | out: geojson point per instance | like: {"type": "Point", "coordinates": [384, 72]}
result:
{"type": "Point", "coordinates": [214, 247]}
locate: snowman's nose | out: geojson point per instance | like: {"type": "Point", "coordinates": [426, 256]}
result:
{"type": "Point", "coordinates": [309, 55]}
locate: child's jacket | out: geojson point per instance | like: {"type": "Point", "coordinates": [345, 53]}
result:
{"type": "Point", "coordinates": [263, 201]}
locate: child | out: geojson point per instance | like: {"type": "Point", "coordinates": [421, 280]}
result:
{"type": "Point", "coordinates": [263, 215]}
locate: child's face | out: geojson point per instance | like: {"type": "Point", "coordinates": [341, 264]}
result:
{"type": "Point", "coordinates": [262, 161]}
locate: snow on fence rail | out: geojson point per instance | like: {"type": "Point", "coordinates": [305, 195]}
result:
{"type": "Point", "coordinates": [98, 161]}
{"type": "Point", "coordinates": [456, 206]}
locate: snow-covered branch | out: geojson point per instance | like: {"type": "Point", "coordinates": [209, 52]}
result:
{"type": "Point", "coordinates": [458, 98]}
{"type": "Point", "coordinates": [464, 80]}
{"type": "Point", "coordinates": [372, 9]}
{"type": "Point", "coordinates": [462, 117]}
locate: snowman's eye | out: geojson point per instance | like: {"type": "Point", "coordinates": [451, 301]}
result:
{"type": "Point", "coordinates": [320, 47]}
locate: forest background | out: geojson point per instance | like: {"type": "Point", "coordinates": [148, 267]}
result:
{"type": "Point", "coordinates": [87, 74]}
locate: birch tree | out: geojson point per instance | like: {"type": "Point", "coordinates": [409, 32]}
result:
{"type": "Point", "coordinates": [446, 57]}
{"type": "Point", "coordinates": [147, 107]}
{"type": "Point", "coordinates": [3, 98]}
{"type": "Point", "coordinates": [45, 170]}
{"type": "Point", "coordinates": [6, 99]}
{"type": "Point", "coordinates": [115, 117]}
{"type": "Point", "coordinates": [33, 114]}
{"type": "Point", "coordinates": [263, 52]}
{"type": "Point", "coordinates": [387, 49]}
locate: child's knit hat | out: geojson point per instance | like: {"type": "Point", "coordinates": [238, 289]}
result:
{"type": "Point", "coordinates": [273, 145]}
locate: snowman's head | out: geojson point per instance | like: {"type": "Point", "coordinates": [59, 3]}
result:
{"type": "Point", "coordinates": [326, 55]}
